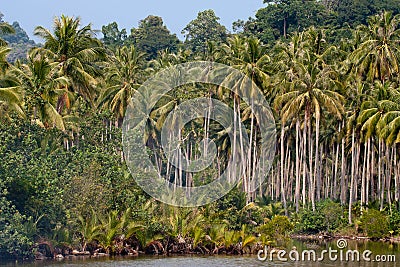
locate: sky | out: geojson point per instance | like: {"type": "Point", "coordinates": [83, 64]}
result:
{"type": "Point", "coordinates": [175, 13]}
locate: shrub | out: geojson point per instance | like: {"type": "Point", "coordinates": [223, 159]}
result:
{"type": "Point", "coordinates": [328, 217]}
{"type": "Point", "coordinates": [14, 243]}
{"type": "Point", "coordinates": [394, 220]}
{"type": "Point", "coordinates": [278, 228]}
{"type": "Point", "coordinates": [374, 223]}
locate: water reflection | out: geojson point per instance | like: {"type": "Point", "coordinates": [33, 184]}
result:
{"type": "Point", "coordinates": [377, 248]}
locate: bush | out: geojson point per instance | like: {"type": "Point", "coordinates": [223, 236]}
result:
{"type": "Point", "coordinates": [328, 217]}
{"type": "Point", "coordinates": [278, 228]}
{"type": "Point", "coordinates": [394, 220]}
{"type": "Point", "coordinates": [14, 243]}
{"type": "Point", "coordinates": [374, 223]}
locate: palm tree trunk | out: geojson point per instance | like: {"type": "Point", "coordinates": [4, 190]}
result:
{"type": "Point", "coordinates": [363, 176]}
{"type": "Point", "coordinates": [343, 185]}
{"type": "Point", "coordinates": [234, 152]}
{"type": "Point", "coordinates": [304, 162]}
{"type": "Point", "coordinates": [297, 190]}
{"type": "Point", "coordinates": [396, 175]}
{"type": "Point", "coordinates": [352, 176]}
{"type": "Point", "coordinates": [316, 166]}
{"type": "Point", "coordinates": [381, 178]}
{"type": "Point", "coordinates": [368, 173]}
{"type": "Point", "coordinates": [310, 160]}
{"type": "Point", "coordinates": [282, 164]}
{"type": "Point", "coordinates": [335, 173]}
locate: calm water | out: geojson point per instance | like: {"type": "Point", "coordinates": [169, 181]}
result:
{"type": "Point", "coordinates": [377, 248]}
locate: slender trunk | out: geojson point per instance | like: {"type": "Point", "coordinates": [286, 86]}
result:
{"type": "Point", "coordinates": [234, 152]}
{"type": "Point", "coordinates": [343, 185]}
{"type": "Point", "coordinates": [249, 153]}
{"type": "Point", "coordinates": [352, 176]}
{"type": "Point", "coordinates": [382, 179]}
{"type": "Point", "coordinates": [372, 190]}
{"type": "Point", "coordinates": [297, 190]}
{"type": "Point", "coordinates": [363, 176]}
{"type": "Point", "coordinates": [316, 164]}
{"type": "Point", "coordinates": [335, 173]}
{"type": "Point", "coordinates": [304, 162]}
{"type": "Point", "coordinates": [242, 155]}
{"type": "Point", "coordinates": [310, 162]}
{"type": "Point", "coordinates": [282, 162]}
{"type": "Point", "coordinates": [368, 173]}
{"type": "Point", "coordinates": [396, 175]}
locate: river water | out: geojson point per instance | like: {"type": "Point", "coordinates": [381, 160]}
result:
{"type": "Point", "coordinates": [382, 254]}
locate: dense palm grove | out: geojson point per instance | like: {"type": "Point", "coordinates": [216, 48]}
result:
{"type": "Point", "coordinates": [334, 92]}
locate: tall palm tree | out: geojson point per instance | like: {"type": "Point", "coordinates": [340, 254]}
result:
{"type": "Point", "coordinates": [250, 57]}
{"type": "Point", "coordinates": [312, 90]}
{"type": "Point", "coordinates": [77, 52]}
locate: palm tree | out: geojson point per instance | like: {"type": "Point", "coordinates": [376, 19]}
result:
{"type": "Point", "coordinates": [378, 55]}
{"type": "Point", "coordinates": [123, 75]}
{"type": "Point", "coordinates": [76, 51]}
{"type": "Point", "coordinates": [250, 57]}
{"type": "Point", "coordinates": [5, 28]}
{"type": "Point", "coordinates": [89, 229]}
{"type": "Point", "coordinates": [312, 90]}
{"type": "Point", "coordinates": [43, 89]}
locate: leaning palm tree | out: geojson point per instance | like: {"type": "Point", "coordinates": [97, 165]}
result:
{"type": "Point", "coordinates": [77, 52]}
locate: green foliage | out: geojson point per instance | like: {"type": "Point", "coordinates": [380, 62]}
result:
{"type": "Point", "coordinates": [14, 240]}
{"type": "Point", "coordinates": [63, 176]}
{"type": "Point", "coordinates": [233, 209]}
{"type": "Point", "coordinates": [203, 29]}
{"type": "Point", "coordinates": [281, 18]}
{"type": "Point", "coordinates": [394, 220]}
{"type": "Point", "coordinates": [28, 169]}
{"type": "Point", "coordinates": [112, 36]}
{"type": "Point", "coordinates": [152, 37]}
{"type": "Point", "coordinates": [327, 217]}
{"type": "Point", "coordinates": [353, 13]}
{"type": "Point", "coordinates": [277, 229]}
{"type": "Point", "coordinates": [374, 223]}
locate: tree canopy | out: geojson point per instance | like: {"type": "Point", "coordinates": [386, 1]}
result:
{"type": "Point", "coordinates": [202, 29]}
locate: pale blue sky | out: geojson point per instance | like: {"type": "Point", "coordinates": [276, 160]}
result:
{"type": "Point", "coordinates": [175, 13]}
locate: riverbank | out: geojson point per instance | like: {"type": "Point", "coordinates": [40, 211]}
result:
{"type": "Point", "coordinates": [377, 248]}
{"type": "Point", "coordinates": [304, 237]}
{"type": "Point", "coordinates": [183, 248]}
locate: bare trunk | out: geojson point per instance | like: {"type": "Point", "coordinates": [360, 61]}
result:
{"type": "Point", "coordinates": [352, 176]}
{"type": "Point", "coordinates": [297, 190]}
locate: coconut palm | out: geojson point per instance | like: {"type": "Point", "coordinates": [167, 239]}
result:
{"type": "Point", "coordinates": [312, 90]}
{"type": "Point", "coordinates": [378, 55]}
{"type": "Point", "coordinates": [43, 89]}
{"type": "Point", "coordinates": [77, 52]}
{"type": "Point", "coordinates": [123, 75]}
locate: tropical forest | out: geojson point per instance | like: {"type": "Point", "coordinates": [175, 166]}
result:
{"type": "Point", "coordinates": [329, 71]}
